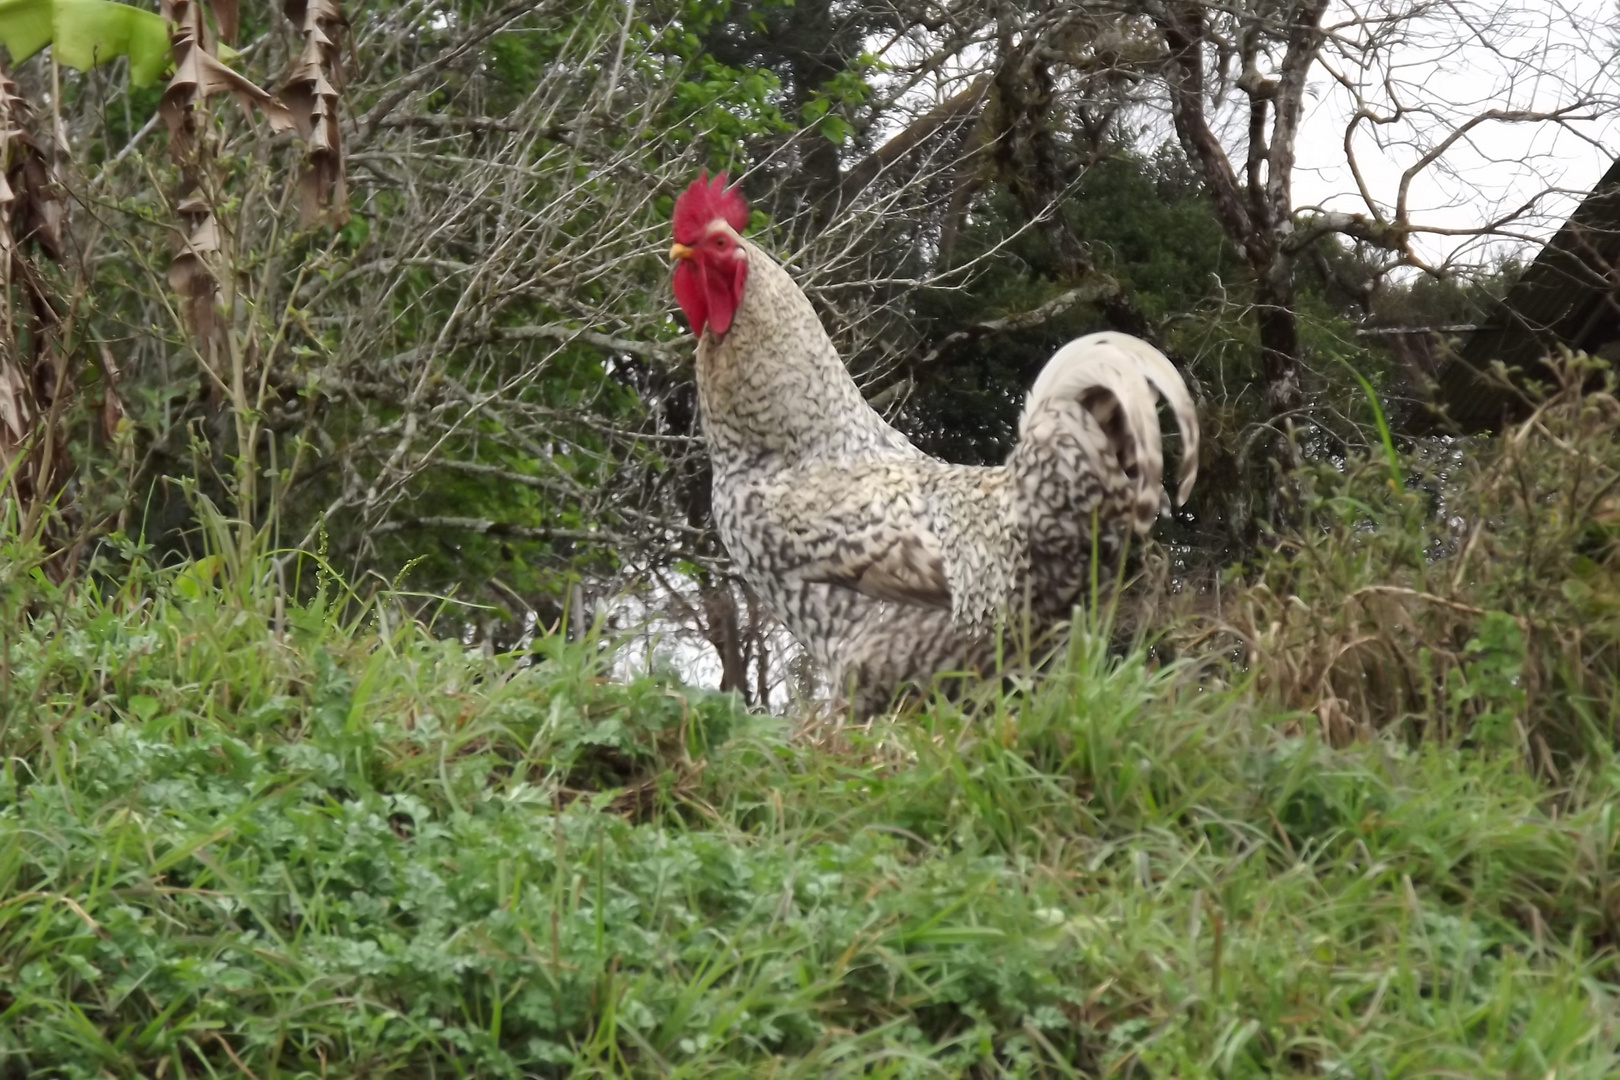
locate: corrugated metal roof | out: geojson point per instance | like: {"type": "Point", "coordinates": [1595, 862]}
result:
{"type": "Point", "coordinates": [1570, 295]}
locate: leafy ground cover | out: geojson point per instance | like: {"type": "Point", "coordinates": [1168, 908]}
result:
{"type": "Point", "coordinates": [242, 837]}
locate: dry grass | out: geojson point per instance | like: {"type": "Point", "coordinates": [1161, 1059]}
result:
{"type": "Point", "coordinates": [1477, 598]}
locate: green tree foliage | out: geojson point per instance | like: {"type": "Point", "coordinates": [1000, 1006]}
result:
{"type": "Point", "coordinates": [816, 50]}
{"type": "Point", "coordinates": [1148, 227]}
{"type": "Point", "coordinates": [84, 33]}
{"type": "Point", "coordinates": [470, 373]}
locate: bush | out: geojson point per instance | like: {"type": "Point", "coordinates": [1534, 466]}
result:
{"type": "Point", "coordinates": [1468, 591]}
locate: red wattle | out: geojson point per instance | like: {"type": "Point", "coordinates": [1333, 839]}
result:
{"type": "Point", "coordinates": [723, 286]}
{"type": "Point", "coordinates": [690, 294]}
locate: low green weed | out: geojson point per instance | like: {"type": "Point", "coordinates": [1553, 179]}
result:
{"type": "Point", "coordinates": [247, 835]}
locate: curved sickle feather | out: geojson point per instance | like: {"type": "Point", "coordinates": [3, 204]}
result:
{"type": "Point", "coordinates": [1130, 370]}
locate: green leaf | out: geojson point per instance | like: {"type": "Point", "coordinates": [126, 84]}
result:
{"type": "Point", "coordinates": [143, 706]}
{"type": "Point", "coordinates": [835, 128]}
{"type": "Point", "coordinates": [84, 33]}
{"type": "Point", "coordinates": [198, 578]}
{"type": "Point", "coordinates": [1396, 477]}
{"type": "Point", "coordinates": [356, 232]}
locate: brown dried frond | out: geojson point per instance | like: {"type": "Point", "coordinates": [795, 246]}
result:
{"type": "Point", "coordinates": [16, 412]}
{"type": "Point", "coordinates": [31, 217]}
{"type": "Point", "coordinates": [28, 198]}
{"type": "Point", "coordinates": [199, 73]}
{"type": "Point", "coordinates": [191, 273]}
{"type": "Point", "coordinates": [311, 92]}
{"type": "Point", "coordinates": [225, 18]}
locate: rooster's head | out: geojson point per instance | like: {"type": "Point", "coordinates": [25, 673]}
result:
{"type": "Point", "coordinates": [711, 265]}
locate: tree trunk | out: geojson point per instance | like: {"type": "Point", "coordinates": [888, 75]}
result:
{"type": "Point", "coordinates": [1034, 168]}
{"type": "Point", "coordinates": [1285, 396]}
{"type": "Point", "coordinates": [723, 629]}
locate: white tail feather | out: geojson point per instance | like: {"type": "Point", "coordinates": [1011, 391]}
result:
{"type": "Point", "coordinates": [1131, 371]}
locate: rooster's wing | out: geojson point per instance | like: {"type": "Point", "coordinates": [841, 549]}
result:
{"type": "Point", "coordinates": [909, 530]}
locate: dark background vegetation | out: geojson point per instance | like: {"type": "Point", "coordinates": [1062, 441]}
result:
{"type": "Point", "coordinates": [463, 371]}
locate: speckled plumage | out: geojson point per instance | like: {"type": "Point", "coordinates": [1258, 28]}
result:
{"type": "Point", "coordinates": [889, 566]}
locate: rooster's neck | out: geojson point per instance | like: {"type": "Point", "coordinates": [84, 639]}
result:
{"type": "Point", "coordinates": [773, 391]}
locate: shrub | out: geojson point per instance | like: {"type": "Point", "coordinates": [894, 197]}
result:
{"type": "Point", "coordinates": [1471, 592]}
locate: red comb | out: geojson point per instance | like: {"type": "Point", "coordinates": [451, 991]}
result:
{"type": "Point", "coordinates": [702, 202]}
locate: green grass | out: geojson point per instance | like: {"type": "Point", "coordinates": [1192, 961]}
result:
{"type": "Point", "coordinates": [242, 841]}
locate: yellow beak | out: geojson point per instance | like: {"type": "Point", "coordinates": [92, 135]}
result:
{"type": "Point", "coordinates": [680, 251]}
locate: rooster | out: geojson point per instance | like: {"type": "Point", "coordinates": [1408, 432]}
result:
{"type": "Point", "coordinates": [889, 566]}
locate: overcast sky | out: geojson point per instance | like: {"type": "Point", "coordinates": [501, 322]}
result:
{"type": "Point", "coordinates": [1465, 60]}
{"type": "Point", "coordinates": [1460, 60]}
